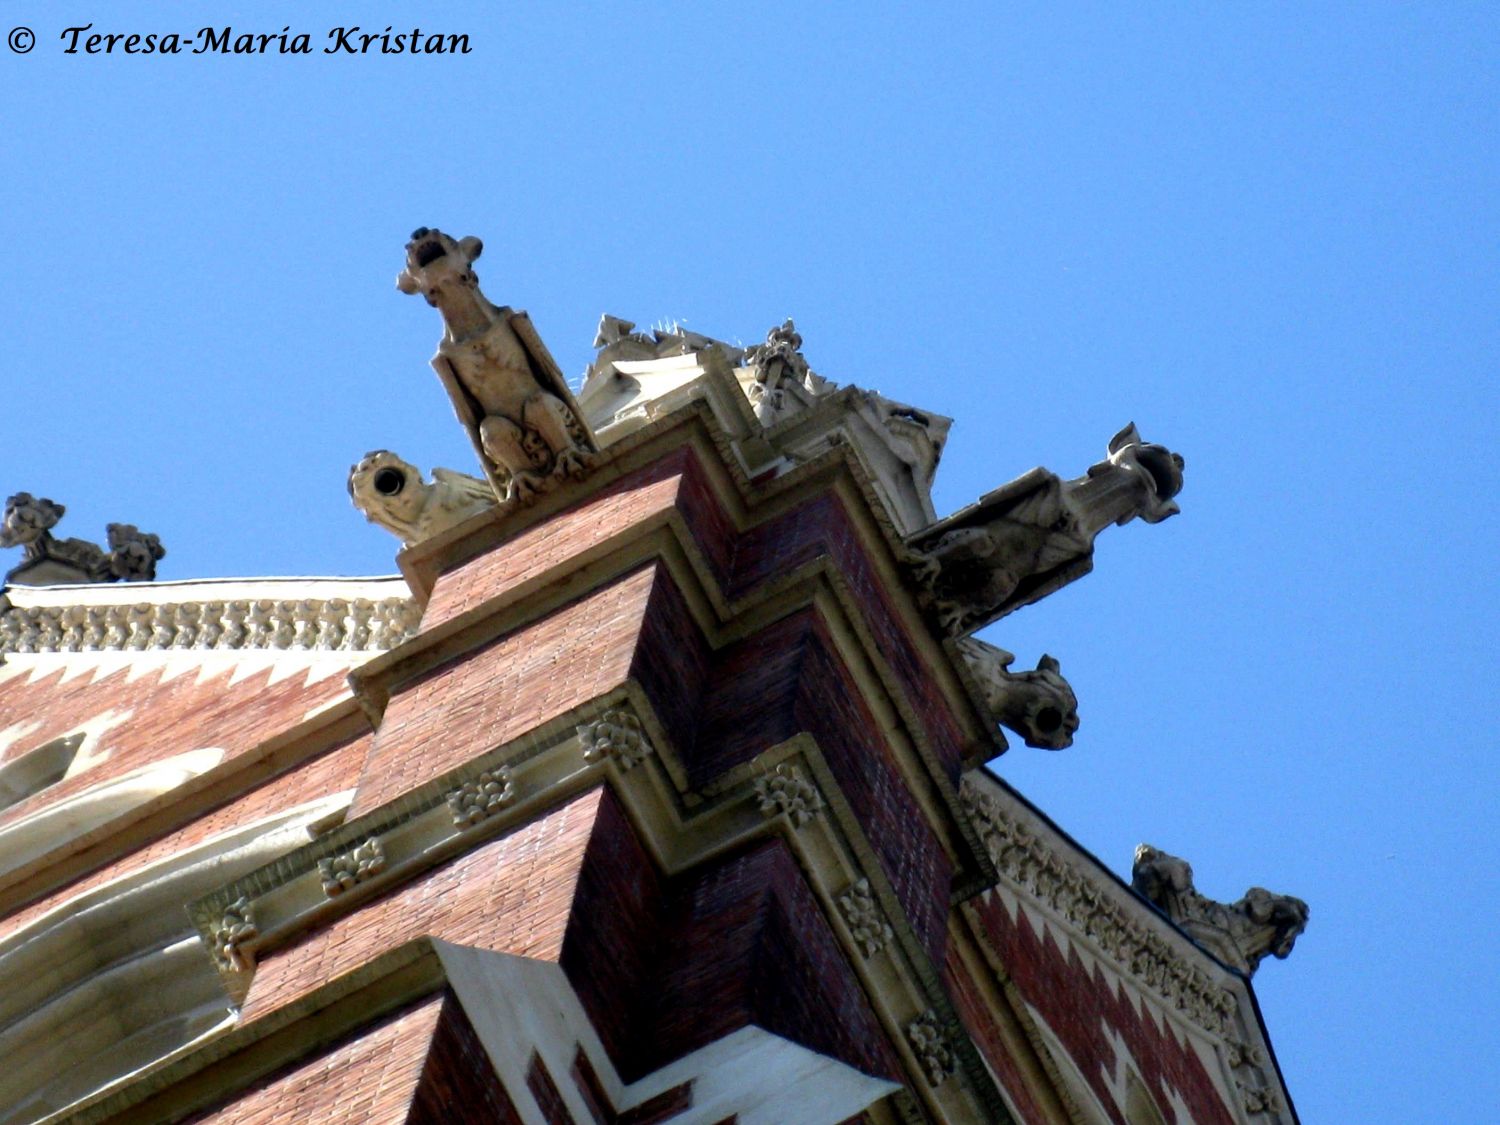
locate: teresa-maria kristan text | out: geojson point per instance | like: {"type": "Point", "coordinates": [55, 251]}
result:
{"type": "Point", "coordinates": [229, 41]}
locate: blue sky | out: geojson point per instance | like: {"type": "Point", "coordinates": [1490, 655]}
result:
{"type": "Point", "coordinates": [1267, 234]}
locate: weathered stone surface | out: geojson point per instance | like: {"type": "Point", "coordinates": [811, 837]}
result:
{"type": "Point", "coordinates": [50, 561]}
{"type": "Point", "coordinates": [505, 386]}
{"type": "Point", "coordinates": [392, 493]}
{"type": "Point", "coordinates": [1241, 933]}
{"type": "Point", "coordinates": [1036, 534]}
{"type": "Point", "coordinates": [1039, 706]}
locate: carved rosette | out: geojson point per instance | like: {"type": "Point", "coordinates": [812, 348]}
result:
{"type": "Point", "coordinates": [342, 871]}
{"type": "Point", "coordinates": [867, 925]}
{"type": "Point", "coordinates": [236, 927]}
{"type": "Point", "coordinates": [483, 797]}
{"type": "Point", "coordinates": [786, 792]}
{"type": "Point", "coordinates": [617, 735]}
{"type": "Point", "coordinates": [929, 1042]}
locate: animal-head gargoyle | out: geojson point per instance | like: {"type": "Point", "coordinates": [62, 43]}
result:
{"type": "Point", "coordinates": [1019, 543]}
{"type": "Point", "coordinates": [392, 493]}
{"type": "Point", "coordinates": [506, 388]}
{"type": "Point", "coordinates": [48, 560]}
{"type": "Point", "coordinates": [1241, 934]}
{"type": "Point", "coordinates": [1039, 706]}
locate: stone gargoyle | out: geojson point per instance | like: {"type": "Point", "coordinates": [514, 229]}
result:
{"type": "Point", "coordinates": [779, 364]}
{"type": "Point", "coordinates": [1039, 705]}
{"type": "Point", "coordinates": [1241, 933]}
{"type": "Point", "coordinates": [392, 493]}
{"type": "Point", "coordinates": [506, 389]}
{"type": "Point", "coordinates": [1036, 534]}
{"type": "Point", "coordinates": [48, 560]}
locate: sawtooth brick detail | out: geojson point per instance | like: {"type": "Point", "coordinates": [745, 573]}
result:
{"type": "Point", "coordinates": [1081, 1007]}
{"type": "Point", "coordinates": [166, 717]}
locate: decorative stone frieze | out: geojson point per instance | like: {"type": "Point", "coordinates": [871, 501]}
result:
{"type": "Point", "coordinates": [483, 797]}
{"type": "Point", "coordinates": [863, 916]}
{"type": "Point", "coordinates": [504, 384]}
{"type": "Point", "coordinates": [1240, 933]}
{"type": "Point", "coordinates": [49, 561]}
{"type": "Point", "coordinates": [341, 872]}
{"type": "Point", "coordinates": [1039, 706]}
{"type": "Point", "coordinates": [617, 735]}
{"type": "Point", "coordinates": [1036, 534]}
{"type": "Point", "coordinates": [236, 927]}
{"type": "Point", "coordinates": [392, 493]}
{"type": "Point", "coordinates": [929, 1042]}
{"type": "Point", "coordinates": [785, 791]}
{"type": "Point", "coordinates": [1032, 866]}
{"type": "Point", "coordinates": [360, 625]}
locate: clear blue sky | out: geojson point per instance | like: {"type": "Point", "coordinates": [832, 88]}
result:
{"type": "Point", "coordinates": [1267, 234]}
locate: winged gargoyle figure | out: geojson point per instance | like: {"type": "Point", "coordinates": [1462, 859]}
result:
{"type": "Point", "coordinates": [506, 388]}
{"type": "Point", "coordinates": [47, 560]}
{"type": "Point", "coordinates": [392, 493]}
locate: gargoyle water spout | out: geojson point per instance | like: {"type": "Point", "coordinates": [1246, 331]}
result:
{"type": "Point", "coordinates": [1036, 534]}
{"type": "Point", "coordinates": [392, 493]}
{"type": "Point", "coordinates": [1039, 705]}
{"type": "Point", "coordinates": [506, 389]}
{"type": "Point", "coordinates": [1241, 933]}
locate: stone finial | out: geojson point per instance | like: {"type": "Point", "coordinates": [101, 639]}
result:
{"type": "Point", "coordinates": [49, 561]}
{"type": "Point", "coordinates": [505, 386]}
{"type": "Point", "coordinates": [1240, 934]}
{"type": "Point", "coordinates": [1039, 706]}
{"type": "Point", "coordinates": [392, 493]}
{"type": "Point", "coordinates": [1036, 534]}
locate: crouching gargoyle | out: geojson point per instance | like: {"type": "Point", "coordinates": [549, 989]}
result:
{"type": "Point", "coordinates": [48, 561]}
{"type": "Point", "coordinates": [1241, 933]}
{"type": "Point", "coordinates": [392, 493]}
{"type": "Point", "coordinates": [1039, 705]}
{"type": "Point", "coordinates": [1036, 534]}
{"type": "Point", "coordinates": [506, 389]}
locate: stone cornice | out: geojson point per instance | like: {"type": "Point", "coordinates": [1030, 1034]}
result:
{"type": "Point", "coordinates": [616, 740]}
{"type": "Point", "coordinates": [326, 624]}
{"type": "Point", "coordinates": [1129, 935]}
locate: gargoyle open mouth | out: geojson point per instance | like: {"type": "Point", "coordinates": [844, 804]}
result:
{"type": "Point", "coordinates": [429, 252]}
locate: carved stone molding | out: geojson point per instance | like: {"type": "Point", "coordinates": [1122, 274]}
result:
{"type": "Point", "coordinates": [483, 797]}
{"type": "Point", "coordinates": [1036, 534]}
{"type": "Point", "coordinates": [1031, 865]}
{"type": "Point", "coordinates": [391, 493]}
{"type": "Point", "coordinates": [1039, 706]}
{"type": "Point", "coordinates": [617, 735]}
{"type": "Point", "coordinates": [929, 1042]}
{"type": "Point", "coordinates": [236, 927]}
{"type": "Point", "coordinates": [863, 916]}
{"type": "Point", "coordinates": [1240, 933]}
{"type": "Point", "coordinates": [48, 561]}
{"type": "Point", "coordinates": [786, 791]}
{"type": "Point", "coordinates": [505, 386]}
{"type": "Point", "coordinates": [357, 625]}
{"type": "Point", "coordinates": [341, 872]}
{"type": "Point", "coordinates": [1258, 1099]}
